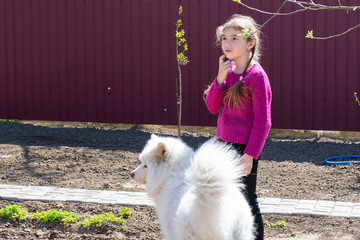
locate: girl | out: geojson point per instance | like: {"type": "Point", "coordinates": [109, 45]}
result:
{"type": "Point", "coordinates": [241, 94]}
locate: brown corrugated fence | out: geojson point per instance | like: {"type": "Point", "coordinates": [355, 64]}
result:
{"type": "Point", "coordinates": [114, 61]}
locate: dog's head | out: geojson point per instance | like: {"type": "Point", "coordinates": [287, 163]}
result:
{"type": "Point", "coordinates": [159, 155]}
{"type": "Point", "coordinates": [153, 153]}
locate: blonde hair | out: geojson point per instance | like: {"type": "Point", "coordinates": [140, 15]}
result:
{"type": "Point", "coordinates": [240, 23]}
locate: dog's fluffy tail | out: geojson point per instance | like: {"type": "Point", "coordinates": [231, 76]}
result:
{"type": "Point", "coordinates": [213, 181]}
{"type": "Point", "coordinates": [215, 167]}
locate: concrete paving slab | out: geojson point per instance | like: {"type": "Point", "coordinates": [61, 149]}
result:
{"type": "Point", "coordinates": [267, 205]}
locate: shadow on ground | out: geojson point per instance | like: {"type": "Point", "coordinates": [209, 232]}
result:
{"type": "Point", "coordinates": [133, 138]}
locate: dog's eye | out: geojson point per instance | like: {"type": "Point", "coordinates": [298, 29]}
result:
{"type": "Point", "coordinates": [145, 166]}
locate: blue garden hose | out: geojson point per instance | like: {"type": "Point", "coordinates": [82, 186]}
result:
{"type": "Point", "coordinates": [330, 162]}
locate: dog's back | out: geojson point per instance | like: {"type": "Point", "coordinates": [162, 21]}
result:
{"type": "Point", "coordinates": [213, 206]}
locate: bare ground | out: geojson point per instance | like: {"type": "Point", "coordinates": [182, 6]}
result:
{"type": "Point", "coordinates": [100, 156]}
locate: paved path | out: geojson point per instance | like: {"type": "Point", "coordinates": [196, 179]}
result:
{"type": "Point", "coordinates": [267, 205]}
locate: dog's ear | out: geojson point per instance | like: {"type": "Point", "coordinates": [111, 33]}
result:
{"type": "Point", "coordinates": [161, 151]}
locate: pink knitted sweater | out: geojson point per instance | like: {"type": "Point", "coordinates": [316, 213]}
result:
{"type": "Point", "coordinates": [251, 123]}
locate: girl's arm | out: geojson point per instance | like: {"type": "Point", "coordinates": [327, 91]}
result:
{"type": "Point", "coordinates": [214, 98]}
{"type": "Point", "coordinates": [261, 97]}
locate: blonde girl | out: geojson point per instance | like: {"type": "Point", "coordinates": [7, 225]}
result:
{"type": "Point", "coordinates": [241, 96]}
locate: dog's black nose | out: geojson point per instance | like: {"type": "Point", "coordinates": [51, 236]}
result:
{"type": "Point", "coordinates": [132, 175]}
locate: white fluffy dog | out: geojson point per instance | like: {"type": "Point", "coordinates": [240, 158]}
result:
{"type": "Point", "coordinates": [196, 194]}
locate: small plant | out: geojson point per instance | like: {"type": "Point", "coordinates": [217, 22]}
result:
{"type": "Point", "coordinates": [280, 223]}
{"type": "Point", "coordinates": [87, 124]}
{"type": "Point", "coordinates": [267, 224]}
{"type": "Point", "coordinates": [8, 120]}
{"type": "Point", "coordinates": [100, 219]}
{"type": "Point", "coordinates": [125, 213]}
{"type": "Point", "coordinates": [181, 41]}
{"type": "Point", "coordinates": [182, 60]}
{"type": "Point", "coordinates": [107, 217]}
{"type": "Point", "coordinates": [207, 134]}
{"type": "Point", "coordinates": [55, 215]}
{"type": "Point", "coordinates": [13, 212]}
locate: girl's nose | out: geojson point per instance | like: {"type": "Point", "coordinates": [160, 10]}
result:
{"type": "Point", "coordinates": [226, 42]}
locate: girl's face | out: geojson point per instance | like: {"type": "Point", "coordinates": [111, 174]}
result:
{"type": "Point", "coordinates": [234, 46]}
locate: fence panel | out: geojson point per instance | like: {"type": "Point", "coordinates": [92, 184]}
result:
{"type": "Point", "coordinates": [114, 61]}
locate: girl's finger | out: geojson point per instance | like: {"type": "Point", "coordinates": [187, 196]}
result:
{"type": "Point", "coordinates": [222, 58]}
{"type": "Point", "coordinates": [226, 65]}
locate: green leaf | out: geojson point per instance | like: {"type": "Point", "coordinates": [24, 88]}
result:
{"type": "Point", "coordinates": [310, 34]}
{"type": "Point", "coordinates": [245, 33]}
{"type": "Point", "coordinates": [178, 23]}
{"type": "Point", "coordinates": [180, 10]}
{"type": "Point", "coordinates": [178, 34]}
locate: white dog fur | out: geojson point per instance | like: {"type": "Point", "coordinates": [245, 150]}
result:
{"type": "Point", "coordinates": [196, 194]}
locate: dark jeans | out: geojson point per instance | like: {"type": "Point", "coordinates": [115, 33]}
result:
{"type": "Point", "coordinates": [250, 193]}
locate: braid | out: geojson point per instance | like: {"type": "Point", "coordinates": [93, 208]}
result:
{"type": "Point", "coordinates": [248, 63]}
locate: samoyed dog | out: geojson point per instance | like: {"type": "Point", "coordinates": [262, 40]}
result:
{"type": "Point", "coordinates": [196, 194]}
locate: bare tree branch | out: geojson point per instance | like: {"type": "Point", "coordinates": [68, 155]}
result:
{"type": "Point", "coordinates": [275, 14]}
{"type": "Point", "coordinates": [316, 6]}
{"type": "Point", "coordinates": [305, 6]}
{"type": "Point", "coordinates": [337, 35]}
{"type": "Point", "coordinates": [272, 13]}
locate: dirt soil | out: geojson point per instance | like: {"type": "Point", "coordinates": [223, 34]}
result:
{"type": "Point", "coordinates": [100, 156]}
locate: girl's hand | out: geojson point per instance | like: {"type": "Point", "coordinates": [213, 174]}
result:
{"type": "Point", "coordinates": [224, 67]}
{"type": "Point", "coordinates": [247, 162]}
